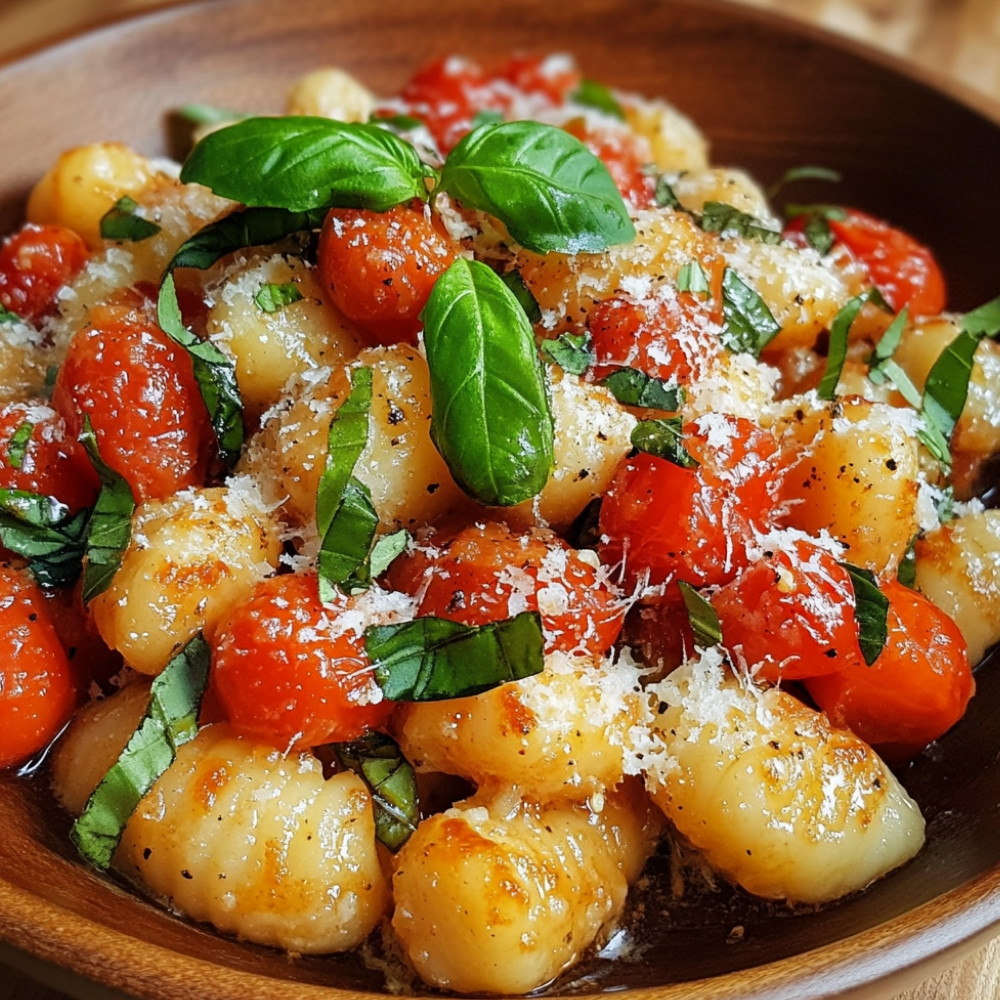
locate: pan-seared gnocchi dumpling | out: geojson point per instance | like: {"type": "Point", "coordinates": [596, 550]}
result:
{"type": "Point", "coordinates": [774, 797]}
{"type": "Point", "coordinates": [675, 141]}
{"type": "Point", "coordinates": [563, 734]}
{"type": "Point", "coordinates": [331, 93]}
{"type": "Point", "coordinates": [495, 897]}
{"type": "Point", "coordinates": [267, 310]}
{"type": "Point", "coordinates": [727, 185]}
{"type": "Point", "coordinates": [852, 469]}
{"type": "Point", "coordinates": [191, 557]}
{"type": "Point", "coordinates": [958, 568]}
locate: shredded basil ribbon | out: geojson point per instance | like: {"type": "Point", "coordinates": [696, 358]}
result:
{"type": "Point", "coordinates": [871, 612]}
{"type": "Point", "coordinates": [429, 659]}
{"type": "Point", "coordinates": [702, 616]}
{"type": "Point", "coordinates": [123, 223]}
{"type": "Point", "coordinates": [840, 329]}
{"type": "Point", "coordinates": [170, 720]}
{"type": "Point", "coordinates": [750, 327]}
{"type": "Point", "coordinates": [632, 387]}
{"type": "Point", "coordinates": [43, 531]}
{"type": "Point", "coordinates": [663, 438]}
{"type": "Point", "coordinates": [573, 352]}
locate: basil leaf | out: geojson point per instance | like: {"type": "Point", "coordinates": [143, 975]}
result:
{"type": "Point", "coordinates": [17, 446]}
{"type": "Point", "coordinates": [6, 316]}
{"type": "Point", "coordinates": [804, 173]}
{"type": "Point", "coordinates": [889, 341]}
{"type": "Point", "coordinates": [816, 224]}
{"type": "Point", "coordinates": [348, 542]}
{"type": "Point", "coordinates": [702, 616]}
{"type": "Point", "coordinates": [662, 438]}
{"type": "Point", "coordinates": [542, 183]}
{"type": "Point", "coordinates": [718, 217]}
{"type": "Point", "coordinates": [488, 116]}
{"type": "Point", "coordinates": [170, 720]}
{"type": "Point", "coordinates": [906, 574]}
{"type": "Point", "coordinates": [398, 123]}
{"type": "Point", "coordinates": [123, 224]}
{"type": "Point", "coordinates": [109, 529]}
{"type": "Point", "coordinates": [274, 298]}
{"type": "Point", "coordinates": [490, 416]}
{"type": "Point", "coordinates": [836, 354]}
{"type": "Point", "coordinates": [692, 278]}
{"type": "Point", "coordinates": [750, 327]}
{"type": "Point", "coordinates": [592, 94]}
{"type": "Point", "coordinates": [392, 782]}
{"type": "Point", "coordinates": [45, 532]}
{"type": "Point", "coordinates": [573, 352]}
{"type": "Point", "coordinates": [889, 371]}
{"type": "Point", "coordinates": [632, 387]}
{"type": "Point", "coordinates": [983, 321]}
{"type": "Point", "coordinates": [386, 550]}
{"type": "Point", "coordinates": [430, 659]}
{"type": "Point", "coordinates": [523, 294]}
{"type": "Point", "coordinates": [664, 195]}
{"type": "Point", "coordinates": [214, 372]}
{"type": "Point", "coordinates": [871, 612]}
{"type": "Point", "coordinates": [301, 163]}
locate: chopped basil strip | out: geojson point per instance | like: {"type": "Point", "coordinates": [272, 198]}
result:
{"type": "Point", "coordinates": [702, 616]}
{"type": "Point", "coordinates": [543, 184]}
{"type": "Point", "coordinates": [490, 416]}
{"type": "Point", "coordinates": [906, 574]}
{"type": "Point", "coordinates": [214, 372]}
{"type": "Point", "coordinates": [209, 114]}
{"type": "Point", "coordinates": [430, 659]}
{"type": "Point", "coordinates": [386, 550]}
{"type": "Point", "coordinates": [109, 529]}
{"type": "Point", "coordinates": [662, 438]}
{"type": "Point", "coordinates": [718, 217]}
{"type": "Point", "coordinates": [392, 781]}
{"type": "Point", "coordinates": [523, 294]}
{"type": "Point", "coordinates": [816, 224]}
{"type": "Point", "coordinates": [804, 173]}
{"type": "Point", "coordinates": [170, 720]}
{"type": "Point", "coordinates": [632, 387]}
{"type": "Point", "coordinates": [122, 223]}
{"type": "Point", "coordinates": [664, 195]}
{"type": "Point", "coordinates": [274, 298]}
{"type": "Point", "coordinates": [592, 94]}
{"type": "Point", "coordinates": [944, 504]}
{"type": "Point", "coordinates": [488, 116]}
{"type": "Point", "coordinates": [6, 316]}
{"type": "Point", "coordinates": [750, 327]}
{"type": "Point", "coordinates": [871, 612]}
{"type": "Point", "coordinates": [983, 321]}
{"type": "Point", "coordinates": [692, 278]}
{"type": "Point", "coordinates": [346, 519]}
{"type": "Point", "coordinates": [572, 352]}
{"type": "Point", "coordinates": [301, 163]}
{"type": "Point", "coordinates": [17, 446]}
{"type": "Point", "coordinates": [398, 123]}
{"type": "Point", "coordinates": [45, 532]}
{"type": "Point", "coordinates": [840, 329]}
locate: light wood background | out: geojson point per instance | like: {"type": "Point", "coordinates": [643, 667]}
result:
{"type": "Point", "coordinates": [957, 39]}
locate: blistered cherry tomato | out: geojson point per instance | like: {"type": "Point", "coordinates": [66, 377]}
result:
{"type": "Point", "coordinates": [671, 339]}
{"type": "Point", "coordinates": [289, 670]}
{"type": "Point", "coordinates": [34, 264]}
{"type": "Point", "coordinates": [380, 267]}
{"type": "Point", "coordinates": [916, 689]}
{"type": "Point", "coordinates": [139, 390]}
{"type": "Point", "coordinates": [38, 688]}
{"type": "Point", "coordinates": [619, 152]}
{"type": "Point", "coordinates": [662, 522]}
{"type": "Point", "coordinates": [487, 573]}
{"type": "Point", "coordinates": [791, 615]}
{"type": "Point", "coordinates": [555, 78]}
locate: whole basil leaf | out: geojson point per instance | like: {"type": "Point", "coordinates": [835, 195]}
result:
{"type": "Point", "coordinates": [542, 183]}
{"type": "Point", "coordinates": [430, 659]}
{"type": "Point", "coordinates": [301, 163]}
{"type": "Point", "coordinates": [170, 720]}
{"type": "Point", "coordinates": [490, 416]}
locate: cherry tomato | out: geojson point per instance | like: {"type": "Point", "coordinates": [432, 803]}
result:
{"type": "Point", "coordinates": [380, 267]}
{"type": "Point", "coordinates": [670, 339]}
{"type": "Point", "coordinates": [487, 573]}
{"type": "Point", "coordinates": [287, 669]}
{"type": "Point", "coordinates": [916, 689]}
{"type": "Point", "coordinates": [620, 153]}
{"type": "Point", "coordinates": [34, 264]}
{"type": "Point", "coordinates": [791, 615]}
{"type": "Point", "coordinates": [662, 522]}
{"type": "Point", "coordinates": [554, 78]}
{"type": "Point", "coordinates": [139, 390]}
{"type": "Point", "coordinates": [38, 689]}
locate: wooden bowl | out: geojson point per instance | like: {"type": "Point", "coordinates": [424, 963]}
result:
{"type": "Point", "coordinates": [770, 96]}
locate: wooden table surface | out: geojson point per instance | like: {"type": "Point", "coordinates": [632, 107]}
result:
{"type": "Point", "coordinates": [959, 39]}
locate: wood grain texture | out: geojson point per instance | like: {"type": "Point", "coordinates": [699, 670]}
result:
{"type": "Point", "coordinates": [768, 98]}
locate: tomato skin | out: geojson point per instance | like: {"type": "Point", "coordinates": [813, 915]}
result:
{"type": "Point", "coordinates": [34, 264]}
{"type": "Point", "coordinates": [487, 573]}
{"type": "Point", "coordinates": [285, 670]}
{"type": "Point", "coordinates": [916, 689]}
{"type": "Point", "coordinates": [38, 688]}
{"type": "Point", "coordinates": [138, 388]}
{"type": "Point", "coordinates": [662, 522]}
{"type": "Point", "coordinates": [669, 339]}
{"type": "Point", "coordinates": [51, 463]}
{"type": "Point", "coordinates": [380, 267]}
{"type": "Point", "coordinates": [791, 615]}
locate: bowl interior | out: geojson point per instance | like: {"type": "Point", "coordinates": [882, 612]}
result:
{"type": "Point", "coordinates": [770, 97]}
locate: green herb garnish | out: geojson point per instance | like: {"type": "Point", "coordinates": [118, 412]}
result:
{"type": "Point", "coordinates": [272, 298]}
{"type": "Point", "coordinates": [573, 352]}
{"type": "Point", "coordinates": [592, 94]}
{"type": "Point", "coordinates": [663, 439]}
{"type": "Point", "coordinates": [692, 278]}
{"type": "Point", "coordinates": [123, 224]}
{"type": "Point", "coordinates": [805, 173]}
{"type": "Point", "coordinates": [718, 217]}
{"type": "Point", "coordinates": [632, 387]}
{"type": "Point", "coordinates": [750, 326]}
{"type": "Point", "coordinates": [840, 329]}
{"type": "Point", "coordinates": [702, 617]}
{"type": "Point", "coordinates": [17, 446]}
{"type": "Point", "coordinates": [871, 612]}
{"type": "Point", "coordinates": [45, 532]}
